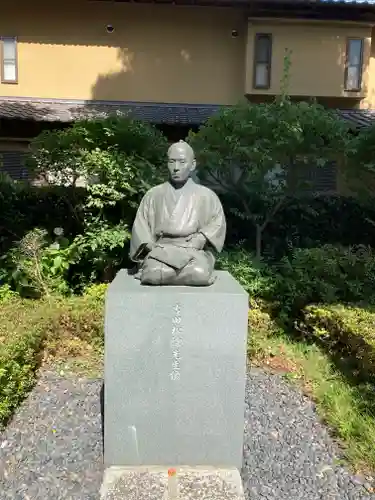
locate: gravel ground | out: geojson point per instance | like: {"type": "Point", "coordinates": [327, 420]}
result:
{"type": "Point", "coordinates": [52, 450]}
{"type": "Point", "coordinates": [288, 453]}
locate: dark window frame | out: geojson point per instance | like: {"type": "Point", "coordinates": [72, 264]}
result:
{"type": "Point", "coordinates": [12, 163]}
{"type": "Point", "coordinates": [258, 61]}
{"type": "Point", "coordinates": [314, 180]}
{"type": "Point", "coordinates": [14, 39]}
{"type": "Point", "coordinates": [359, 66]}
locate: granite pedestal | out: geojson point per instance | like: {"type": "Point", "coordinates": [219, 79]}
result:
{"type": "Point", "coordinates": [175, 368]}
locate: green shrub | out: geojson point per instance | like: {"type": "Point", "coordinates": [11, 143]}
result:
{"type": "Point", "coordinates": [96, 291]}
{"type": "Point", "coordinates": [350, 330]}
{"type": "Point", "coordinates": [359, 174]}
{"type": "Point", "coordinates": [75, 151]}
{"type": "Point", "coordinates": [24, 207]}
{"type": "Point", "coordinates": [252, 273]}
{"type": "Point", "coordinates": [33, 330]}
{"type": "Point", "coordinates": [6, 293]}
{"type": "Point", "coordinates": [37, 266]}
{"type": "Point", "coordinates": [310, 222]}
{"type": "Point", "coordinates": [304, 222]}
{"type": "Point", "coordinates": [118, 157]}
{"type": "Point", "coordinates": [21, 341]}
{"type": "Point", "coordinates": [327, 274]}
{"type": "Point", "coordinates": [77, 319]}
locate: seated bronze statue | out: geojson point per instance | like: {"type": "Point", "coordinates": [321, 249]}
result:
{"type": "Point", "coordinates": [179, 227]}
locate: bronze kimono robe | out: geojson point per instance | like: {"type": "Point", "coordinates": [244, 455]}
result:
{"type": "Point", "coordinates": [165, 219]}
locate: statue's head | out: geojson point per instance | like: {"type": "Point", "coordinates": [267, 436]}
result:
{"type": "Point", "coordinates": [181, 161]}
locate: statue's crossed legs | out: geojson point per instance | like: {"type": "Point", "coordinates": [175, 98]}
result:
{"type": "Point", "coordinates": [197, 272]}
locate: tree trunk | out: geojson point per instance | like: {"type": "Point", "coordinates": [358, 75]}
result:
{"type": "Point", "coordinates": [107, 275]}
{"type": "Point", "coordinates": [259, 231]}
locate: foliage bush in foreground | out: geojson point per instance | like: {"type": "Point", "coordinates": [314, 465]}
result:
{"type": "Point", "coordinates": [346, 329]}
{"type": "Point", "coordinates": [21, 340]}
{"type": "Point", "coordinates": [37, 265]}
{"type": "Point", "coordinates": [346, 334]}
{"type": "Point", "coordinates": [6, 293]}
{"type": "Point", "coordinates": [326, 274]}
{"type": "Point", "coordinates": [343, 392]}
{"type": "Point", "coordinates": [31, 330]}
{"type": "Point", "coordinates": [252, 273]}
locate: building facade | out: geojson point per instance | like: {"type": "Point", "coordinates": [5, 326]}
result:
{"type": "Point", "coordinates": [175, 64]}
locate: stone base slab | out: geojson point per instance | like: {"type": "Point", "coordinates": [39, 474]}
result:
{"type": "Point", "coordinates": [188, 483]}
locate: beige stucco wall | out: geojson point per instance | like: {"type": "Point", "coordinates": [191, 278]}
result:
{"type": "Point", "coordinates": [175, 54]}
{"type": "Point", "coordinates": [317, 58]}
{"type": "Point", "coordinates": [161, 53]}
{"type": "Point", "coordinates": [369, 100]}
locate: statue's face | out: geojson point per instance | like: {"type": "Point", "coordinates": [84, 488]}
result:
{"type": "Point", "coordinates": [181, 164]}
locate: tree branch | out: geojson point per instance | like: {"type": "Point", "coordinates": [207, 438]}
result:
{"type": "Point", "coordinates": [216, 179]}
{"type": "Point", "coordinates": [272, 212]}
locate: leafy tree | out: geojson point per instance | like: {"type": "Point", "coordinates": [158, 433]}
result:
{"type": "Point", "coordinates": [262, 151]}
{"type": "Point", "coordinates": [116, 159]}
{"type": "Point", "coordinates": [117, 149]}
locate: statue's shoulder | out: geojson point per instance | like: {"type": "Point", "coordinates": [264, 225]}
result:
{"type": "Point", "coordinates": [155, 190]}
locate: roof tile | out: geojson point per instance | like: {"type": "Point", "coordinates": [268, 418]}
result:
{"type": "Point", "coordinates": [51, 110]}
{"type": "Point", "coordinates": [67, 111]}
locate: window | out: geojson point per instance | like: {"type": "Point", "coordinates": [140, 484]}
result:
{"type": "Point", "coordinates": [12, 163]}
{"type": "Point", "coordinates": [354, 59]}
{"type": "Point", "coordinates": [313, 179]}
{"type": "Point", "coordinates": [9, 72]}
{"type": "Point", "coordinates": [262, 61]}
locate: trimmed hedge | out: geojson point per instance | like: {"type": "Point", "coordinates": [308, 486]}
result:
{"type": "Point", "coordinates": [21, 341]}
{"type": "Point", "coordinates": [344, 328]}
{"type": "Point", "coordinates": [31, 330]}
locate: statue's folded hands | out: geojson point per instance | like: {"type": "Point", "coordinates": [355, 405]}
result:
{"type": "Point", "coordinates": [197, 241]}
